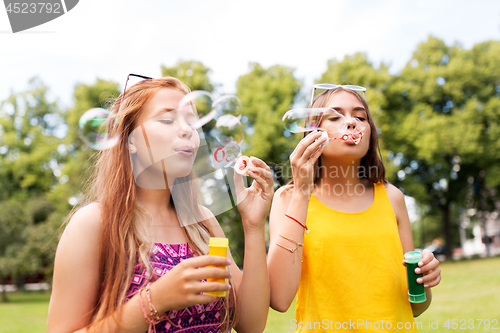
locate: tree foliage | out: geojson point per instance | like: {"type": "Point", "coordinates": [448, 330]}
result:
{"type": "Point", "coordinates": [31, 127]}
{"type": "Point", "coordinates": [266, 94]}
{"type": "Point", "coordinates": [192, 73]}
{"type": "Point", "coordinates": [444, 105]}
{"type": "Point", "coordinates": [78, 159]}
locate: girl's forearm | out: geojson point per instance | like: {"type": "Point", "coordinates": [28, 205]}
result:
{"type": "Point", "coordinates": [253, 292]}
{"type": "Point", "coordinates": [131, 319]}
{"type": "Point", "coordinates": [285, 266]}
{"type": "Point", "coordinates": [419, 308]}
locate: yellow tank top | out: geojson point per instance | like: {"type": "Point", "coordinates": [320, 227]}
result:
{"type": "Point", "coordinates": [352, 278]}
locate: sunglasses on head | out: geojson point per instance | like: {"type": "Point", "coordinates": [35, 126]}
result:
{"type": "Point", "coordinates": [328, 86]}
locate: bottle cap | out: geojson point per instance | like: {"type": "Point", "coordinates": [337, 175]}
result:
{"type": "Point", "coordinates": [413, 257]}
{"type": "Point", "coordinates": [217, 241]}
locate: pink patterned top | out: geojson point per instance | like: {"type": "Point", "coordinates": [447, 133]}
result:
{"type": "Point", "coordinates": [201, 318]}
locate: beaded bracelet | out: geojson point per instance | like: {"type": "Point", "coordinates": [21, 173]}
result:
{"type": "Point", "coordinates": [144, 312]}
{"type": "Point", "coordinates": [153, 319]}
{"type": "Point", "coordinates": [303, 225]}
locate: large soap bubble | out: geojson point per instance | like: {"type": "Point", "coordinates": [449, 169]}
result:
{"type": "Point", "coordinates": [228, 129]}
{"type": "Point", "coordinates": [303, 119]}
{"type": "Point", "coordinates": [226, 111]}
{"type": "Point", "coordinates": [202, 102]}
{"type": "Point", "coordinates": [227, 105]}
{"type": "Point", "coordinates": [93, 129]}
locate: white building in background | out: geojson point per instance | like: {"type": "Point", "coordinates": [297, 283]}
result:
{"type": "Point", "coordinates": [476, 245]}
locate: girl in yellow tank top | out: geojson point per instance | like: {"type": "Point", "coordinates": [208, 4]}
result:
{"type": "Point", "coordinates": [339, 231]}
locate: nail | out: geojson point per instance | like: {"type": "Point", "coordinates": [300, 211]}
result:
{"type": "Point", "coordinates": [419, 280]}
{"type": "Point", "coordinates": [426, 285]}
{"type": "Point", "coordinates": [418, 270]}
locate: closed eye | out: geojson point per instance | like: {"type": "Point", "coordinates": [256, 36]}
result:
{"type": "Point", "coordinates": [167, 121]}
{"type": "Point", "coordinates": [333, 118]}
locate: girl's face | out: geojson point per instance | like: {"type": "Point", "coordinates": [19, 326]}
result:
{"type": "Point", "coordinates": [163, 145]}
{"type": "Point", "coordinates": [350, 107]}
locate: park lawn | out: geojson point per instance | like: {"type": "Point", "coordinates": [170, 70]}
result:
{"type": "Point", "coordinates": [25, 312]}
{"type": "Point", "coordinates": [469, 290]}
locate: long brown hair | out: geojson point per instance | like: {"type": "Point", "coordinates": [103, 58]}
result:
{"type": "Point", "coordinates": [372, 159]}
{"type": "Point", "coordinates": [126, 238]}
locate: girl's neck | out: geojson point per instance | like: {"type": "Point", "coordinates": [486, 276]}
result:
{"type": "Point", "coordinates": [339, 172]}
{"type": "Point", "coordinates": [166, 226]}
{"type": "Point", "coordinates": [156, 202]}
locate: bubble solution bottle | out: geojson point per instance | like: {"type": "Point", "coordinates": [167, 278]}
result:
{"type": "Point", "coordinates": [416, 292]}
{"type": "Point", "coordinates": [217, 247]}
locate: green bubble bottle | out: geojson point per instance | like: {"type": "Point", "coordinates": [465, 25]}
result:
{"type": "Point", "coordinates": [416, 291]}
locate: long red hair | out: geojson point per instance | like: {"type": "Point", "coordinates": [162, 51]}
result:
{"type": "Point", "coordinates": [126, 238]}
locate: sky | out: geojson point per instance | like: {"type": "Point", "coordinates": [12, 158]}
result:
{"type": "Point", "coordinates": [108, 39]}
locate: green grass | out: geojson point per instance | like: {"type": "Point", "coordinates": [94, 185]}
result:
{"type": "Point", "coordinates": [469, 290]}
{"type": "Point", "coordinates": [26, 312]}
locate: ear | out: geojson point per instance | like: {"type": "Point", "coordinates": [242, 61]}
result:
{"type": "Point", "coordinates": [131, 146]}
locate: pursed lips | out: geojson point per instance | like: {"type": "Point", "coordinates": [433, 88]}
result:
{"type": "Point", "coordinates": [185, 151]}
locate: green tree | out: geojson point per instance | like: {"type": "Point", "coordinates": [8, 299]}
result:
{"type": "Point", "coordinates": [76, 162]}
{"type": "Point", "coordinates": [192, 73]}
{"type": "Point", "coordinates": [445, 109]}
{"type": "Point", "coordinates": [78, 158]}
{"type": "Point", "coordinates": [31, 127]}
{"type": "Point", "coordinates": [266, 94]}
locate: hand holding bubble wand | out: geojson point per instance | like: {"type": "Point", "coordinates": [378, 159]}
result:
{"type": "Point", "coordinates": [163, 137]}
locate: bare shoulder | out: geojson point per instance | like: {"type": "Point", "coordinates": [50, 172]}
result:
{"type": "Point", "coordinates": [76, 278]}
{"type": "Point", "coordinates": [85, 223]}
{"type": "Point", "coordinates": [397, 199]}
{"type": "Point", "coordinates": [395, 195]}
{"type": "Point", "coordinates": [82, 235]}
{"type": "Point", "coordinates": [211, 222]}
{"type": "Point", "coordinates": [284, 193]}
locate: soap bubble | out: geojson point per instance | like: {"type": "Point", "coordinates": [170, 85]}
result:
{"type": "Point", "coordinates": [202, 102]}
{"type": "Point", "coordinates": [227, 105]}
{"type": "Point", "coordinates": [228, 129]}
{"type": "Point", "coordinates": [303, 120]}
{"type": "Point", "coordinates": [224, 156]}
{"type": "Point", "coordinates": [92, 128]}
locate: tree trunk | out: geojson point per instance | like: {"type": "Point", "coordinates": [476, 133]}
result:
{"type": "Point", "coordinates": [447, 229]}
{"type": "Point", "coordinates": [485, 239]}
{"type": "Point", "coordinates": [4, 293]}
